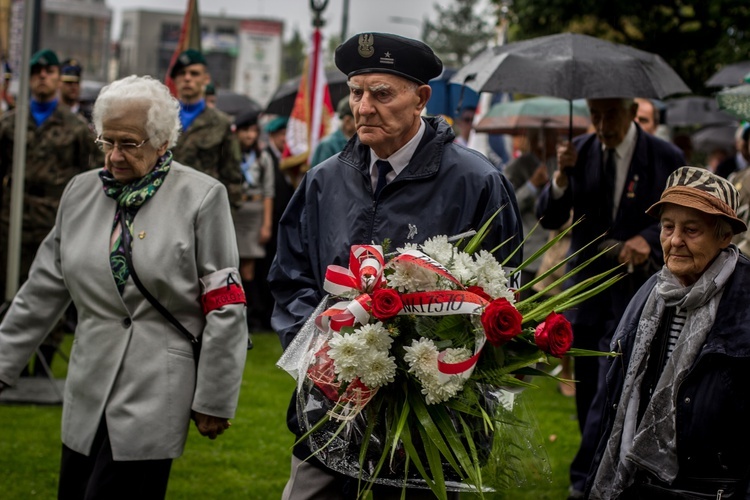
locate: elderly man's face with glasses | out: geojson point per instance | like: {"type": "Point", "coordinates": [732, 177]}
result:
{"type": "Point", "coordinates": [128, 152]}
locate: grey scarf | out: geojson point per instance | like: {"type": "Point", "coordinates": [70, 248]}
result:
{"type": "Point", "coordinates": [652, 445]}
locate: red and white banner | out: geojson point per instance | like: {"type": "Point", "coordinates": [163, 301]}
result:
{"type": "Point", "coordinates": [311, 116]}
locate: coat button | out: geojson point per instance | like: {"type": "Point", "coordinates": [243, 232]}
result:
{"type": "Point", "coordinates": [614, 406]}
{"type": "Point", "coordinates": [687, 401]}
{"type": "Point", "coordinates": [126, 323]}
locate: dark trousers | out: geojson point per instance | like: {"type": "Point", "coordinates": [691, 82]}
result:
{"type": "Point", "coordinates": [98, 476]}
{"type": "Point", "coordinates": [590, 372]}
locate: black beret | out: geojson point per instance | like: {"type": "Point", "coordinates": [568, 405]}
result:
{"type": "Point", "coordinates": [387, 53]}
{"type": "Point", "coordinates": [71, 70]}
{"type": "Point", "coordinates": [187, 58]}
{"type": "Point", "coordinates": [246, 119]}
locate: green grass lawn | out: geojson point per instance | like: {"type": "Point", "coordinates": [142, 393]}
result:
{"type": "Point", "coordinates": [251, 460]}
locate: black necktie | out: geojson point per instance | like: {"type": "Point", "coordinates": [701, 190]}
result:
{"type": "Point", "coordinates": [383, 168]}
{"type": "Point", "coordinates": [609, 175]}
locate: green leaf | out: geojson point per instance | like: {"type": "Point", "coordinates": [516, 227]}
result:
{"type": "Point", "coordinates": [476, 241]}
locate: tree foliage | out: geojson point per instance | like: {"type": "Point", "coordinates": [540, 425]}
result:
{"type": "Point", "coordinates": [459, 33]}
{"type": "Point", "coordinates": [292, 56]}
{"type": "Point", "coordinates": [696, 37]}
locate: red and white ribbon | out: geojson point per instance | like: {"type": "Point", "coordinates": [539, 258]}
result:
{"type": "Point", "coordinates": [365, 273]}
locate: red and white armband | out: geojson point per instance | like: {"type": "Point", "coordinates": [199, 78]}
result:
{"type": "Point", "coordinates": [221, 288]}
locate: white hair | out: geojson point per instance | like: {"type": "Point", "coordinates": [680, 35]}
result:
{"type": "Point", "coordinates": [163, 115]}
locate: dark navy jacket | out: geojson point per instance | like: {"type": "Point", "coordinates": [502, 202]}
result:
{"type": "Point", "coordinates": [445, 189]}
{"type": "Point", "coordinates": [713, 402]}
{"type": "Point", "coordinates": [653, 161]}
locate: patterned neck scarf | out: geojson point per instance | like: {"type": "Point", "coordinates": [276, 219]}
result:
{"type": "Point", "coordinates": [130, 197]}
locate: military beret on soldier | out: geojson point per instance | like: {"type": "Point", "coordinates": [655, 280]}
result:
{"type": "Point", "coordinates": [387, 53]}
{"type": "Point", "coordinates": [187, 58]}
{"type": "Point", "coordinates": [71, 70]}
{"type": "Point", "coordinates": [44, 57]}
{"type": "Point", "coordinates": [246, 119]}
{"type": "Point", "coordinates": [278, 123]}
{"type": "Point", "coordinates": [210, 89]}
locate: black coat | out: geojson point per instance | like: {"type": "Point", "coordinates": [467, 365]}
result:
{"type": "Point", "coordinates": [653, 161]}
{"type": "Point", "coordinates": [713, 401]}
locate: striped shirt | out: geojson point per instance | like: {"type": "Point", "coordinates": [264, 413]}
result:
{"type": "Point", "coordinates": [675, 328]}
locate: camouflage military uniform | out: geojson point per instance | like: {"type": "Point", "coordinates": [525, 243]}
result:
{"type": "Point", "coordinates": [55, 152]}
{"type": "Point", "coordinates": [210, 146]}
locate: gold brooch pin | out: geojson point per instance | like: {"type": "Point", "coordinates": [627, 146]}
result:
{"type": "Point", "coordinates": [142, 234]}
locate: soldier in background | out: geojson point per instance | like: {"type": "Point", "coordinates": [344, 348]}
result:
{"type": "Point", "coordinates": [207, 142]}
{"type": "Point", "coordinates": [59, 146]}
{"type": "Point", "coordinates": [70, 90]}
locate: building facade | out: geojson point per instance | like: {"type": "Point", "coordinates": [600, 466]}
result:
{"type": "Point", "coordinates": [148, 40]}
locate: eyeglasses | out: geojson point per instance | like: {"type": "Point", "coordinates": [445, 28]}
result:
{"type": "Point", "coordinates": [126, 148]}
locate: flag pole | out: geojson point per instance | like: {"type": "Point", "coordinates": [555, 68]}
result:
{"type": "Point", "coordinates": [19, 158]}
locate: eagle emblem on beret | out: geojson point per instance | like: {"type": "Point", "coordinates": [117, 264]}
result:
{"type": "Point", "coordinates": [365, 46]}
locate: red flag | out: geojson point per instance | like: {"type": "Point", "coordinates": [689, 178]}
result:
{"type": "Point", "coordinates": [311, 116]}
{"type": "Point", "coordinates": [190, 38]}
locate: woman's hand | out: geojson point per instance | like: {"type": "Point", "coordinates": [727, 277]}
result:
{"type": "Point", "coordinates": [210, 426]}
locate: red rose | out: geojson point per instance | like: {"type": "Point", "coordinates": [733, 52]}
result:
{"type": "Point", "coordinates": [478, 290]}
{"type": "Point", "coordinates": [555, 335]}
{"type": "Point", "coordinates": [501, 322]}
{"type": "Point", "coordinates": [386, 303]}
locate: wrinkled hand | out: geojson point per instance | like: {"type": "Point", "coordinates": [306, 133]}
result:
{"type": "Point", "coordinates": [540, 177]}
{"type": "Point", "coordinates": [210, 426]}
{"type": "Point", "coordinates": [567, 156]}
{"type": "Point", "coordinates": [636, 250]}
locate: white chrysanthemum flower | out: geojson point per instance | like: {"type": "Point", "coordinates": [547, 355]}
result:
{"type": "Point", "coordinates": [462, 267]}
{"type": "Point", "coordinates": [377, 369]}
{"type": "Point", "coordinates": [346, 373]}
{"type": "Point", "coordinates": [408, 246]}
{"type": "Point", "coordinates": [435, 392]}
{"type": "Point", "coordinates": [421, 356]}
{"type": "Point", "coordinates": [456, 355]}
{"type": "Point", "coordinates": [407, 278]}
{"type": "Point", "coordinates": [375, 336]}
{"type": "Point", "coordinates": [491, 276]}
{"type": "Point", "coordinates": [345, 350]}
{"type": "Point", "coordinates": [439, 249]}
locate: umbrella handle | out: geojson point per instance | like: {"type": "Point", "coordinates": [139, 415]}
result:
{"type": "Point", "coordinates": [461, 94]}
{"type": "Point", "coordinates": [570, 121]}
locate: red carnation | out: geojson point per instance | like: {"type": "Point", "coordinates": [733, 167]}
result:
{"type": "Point", "coordinates": [386, 303]}
{"type": "Point", "coordinates": [501, 322]}
{"type": "Point", "coordinates": [555, 335]}
{"type": "Point", "coordinates": [478, 290]}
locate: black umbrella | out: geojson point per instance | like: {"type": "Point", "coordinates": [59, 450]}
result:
{"type": "Point", "coordinates": [233, 103]}
{"type": "Point", "coordinates": [282, 100]}
{"type": "Point", "coordinates": [730, 75]}
{"type": "Point", "coordinates": [709, 139]}
{"type": "Point", "coordinates": [571, 66]}
{"type": "Point", "coordinates": [695, 110]}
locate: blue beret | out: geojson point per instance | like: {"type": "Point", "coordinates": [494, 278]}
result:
{"type": "Point", "coordinates": [277, 124]}
{"type": "Point", "coordinates": [71, 70]}
{"type": "Point", "coordinates": [187, 58]}
{"type": "Point", "coordinates": [387, 53]}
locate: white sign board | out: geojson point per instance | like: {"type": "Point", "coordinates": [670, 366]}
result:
{"type": "Point", "coordinates": [259, 59]}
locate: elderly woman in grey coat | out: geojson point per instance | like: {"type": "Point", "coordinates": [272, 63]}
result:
{"type": "Point", "coordinates": [143, 225]}
{"type": "Point", "coordinates": [676, 403]}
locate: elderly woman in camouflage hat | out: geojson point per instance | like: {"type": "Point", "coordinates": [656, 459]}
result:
{"type": "Point", "coordinates": [145, 248]}
{"type": "Point", "coordinates": [676, 402]}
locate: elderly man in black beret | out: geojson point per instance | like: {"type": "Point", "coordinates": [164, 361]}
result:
{"type": "Point", "coordinates": [401, 178]}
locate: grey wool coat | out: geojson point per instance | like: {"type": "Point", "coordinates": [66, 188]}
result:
{"type": "Point", "coordinates": [127, 362]}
